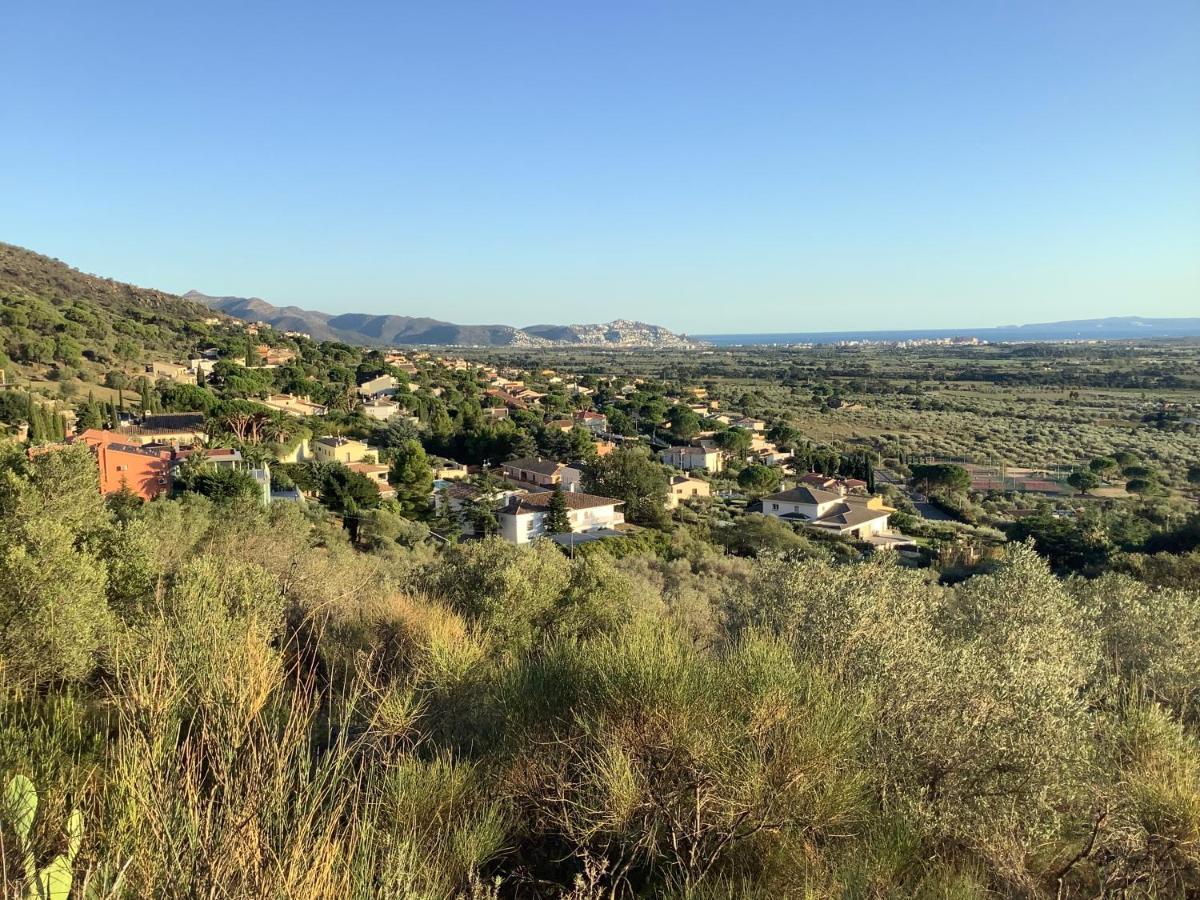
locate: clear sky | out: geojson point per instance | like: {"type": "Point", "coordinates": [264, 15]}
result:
{"type": "Point", "coordinates": [709, 166]}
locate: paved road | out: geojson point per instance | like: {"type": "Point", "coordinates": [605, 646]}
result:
{"type": "Point", "coordinates": [932, 513]}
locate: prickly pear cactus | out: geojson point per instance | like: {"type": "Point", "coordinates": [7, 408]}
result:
{"type": "Point", "coordinates": [53, 881]}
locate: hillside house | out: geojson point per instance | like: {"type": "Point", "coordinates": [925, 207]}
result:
{"type": "Point", "coordinates": [692, 458]}
{"type": "Point", "coordinates": [833, 482]}
{"type": "Point", "coordinates": [594, 422]}
{"type": "Point", "coordinates": [342, 449]}
{"type": "Point", "coordinates": [830, 511]}
{"type": "Point", "coordinates": [170, 371]}
{"type": "Point", "coordinates": [450, 471]}
{"type": "Point", "coordinates": [200, 367]}
{"type": "Point", "coordinates": [770, 455]}
{"type": "Point", "coordinates": [533, 471]}
{"type": "Point", "coordinates": [382, 386]}
{"type": "Point", "coordinates": [684, 487]}
{"type": "Point", "coordinates": [506, 398]}
{"type": "Point", "coordinates": [750, 423]}
{"type": "Point", "coordinates": [377, 474]}
{"type": "Point", "coordinates": [523, 518]}
{"type": "Point", "coordinates": [293, 405]}
{"type": "Point", "coordinates": [570, 478]}
{"type": "Point", "coordinates": [143, 470]}
{"type": "Point", "coordinates": [172, 429]}
{"type": "Point", "coordinates": [274, 356]}
{"type": "Point", "coordinates": [380, 409]}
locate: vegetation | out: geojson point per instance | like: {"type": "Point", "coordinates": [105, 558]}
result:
{"type": "Point", "coordinates": [347, 697]}
{"type": "Point", "coordinates": [236, 699]}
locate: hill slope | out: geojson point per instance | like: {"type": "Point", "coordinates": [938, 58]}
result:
{"type": "Point", "coordinates": [52, 313]}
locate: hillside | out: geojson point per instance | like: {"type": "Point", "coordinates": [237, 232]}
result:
{"type": "Point", "coordinates": [361, 328]}
{"type": "Point", "coordinates": [51, 313]}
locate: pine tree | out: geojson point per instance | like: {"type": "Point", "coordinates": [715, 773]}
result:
{"type": "Point", "coordinates": [412, 478]}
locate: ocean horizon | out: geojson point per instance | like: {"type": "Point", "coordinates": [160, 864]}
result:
{"type": "Point", "coordinates": [1113, 329]}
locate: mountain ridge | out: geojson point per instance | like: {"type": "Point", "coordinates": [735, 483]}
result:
{"type": "Point", "coordinates": [366, 328]}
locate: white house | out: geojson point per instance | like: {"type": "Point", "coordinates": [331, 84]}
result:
{"type": "Point", "coordinates": [523, 518]}
{"type": "Point", "coordinates": [830, 511]}
{"type": "Point", "coordinates": [689, 458]}
{"type": "Point", "coordinates": [382, 386]}
{"type": "Point", "coordinates": [381, 409]}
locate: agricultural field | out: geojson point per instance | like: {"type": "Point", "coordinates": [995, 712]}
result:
{"type": "Point", "coordinates": [1040, 406]}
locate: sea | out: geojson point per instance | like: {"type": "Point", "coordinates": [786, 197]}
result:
{"type": "Point", "coordinates": [1122, 329]}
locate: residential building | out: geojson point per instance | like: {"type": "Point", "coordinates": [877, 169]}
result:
{"type": "Point", "coordinates": [377, 474]}
{"type": "Point", "coordinates": [382, 386]}
{"type": "Point", "coordinates": [380, 409]}
{"type": "Point", "coordinates": [750, 423]}
{"type": "Point", "coordinates": [145, 471]}
{"type": "Point", "coordinates": [523, 517]}
{"type": "Point", "coordinates": [450, 471]}
{"type": "Point", "coordinates": [461, 496]}
{"type": "Point", "coordinates": [173, 429]}
{"type": "Point", "coordinates": [830, 511]}
{"type": "Point", "coordinates": [293, 405]}
{"type": "Point", "coordinates": [833, 482]}
{"type": "Point", "coordinates": [201, 367]}
{"type": "Point", "coordinates": [341, 449]}
{"type": "Point", "coordinates": [770, 455]}
{"type": "Point", "coordinates": [684, 487]}
{"type": "Point", "coordinates": [506, 398]}
{"type": "Point", "coordinates": [691, 458]}
{"type": "Point", "coordinates": [535, 471]}
{"type": "Point", "coordinates": [570, 478]}
{"type": "Point", "coordinates": [170, 371]}
{"type": "Point", "coordinates": [228, 458]}
{"type": "Point", "coordinates": [274, 356]}
{"type": "Point", "coordinates": [593, 421]}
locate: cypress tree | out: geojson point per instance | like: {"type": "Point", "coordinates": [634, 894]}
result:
{"type": "Point", "coordinates": [557, 520]}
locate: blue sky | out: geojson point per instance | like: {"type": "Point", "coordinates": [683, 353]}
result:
{"type": "Point", "coordinates": [713, 167]}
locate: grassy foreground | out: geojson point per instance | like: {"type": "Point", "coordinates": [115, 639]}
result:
{"type": "Point", "coordinates": [239, 704]}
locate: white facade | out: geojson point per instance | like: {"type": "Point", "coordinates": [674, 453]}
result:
{"type": "Point", "coordinates": [520, 523]}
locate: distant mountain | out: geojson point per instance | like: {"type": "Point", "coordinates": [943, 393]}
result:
{"type": "Point", "coordinates": [360, 328]}
{"type": "Point", "coordinates": [1114, 328]}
